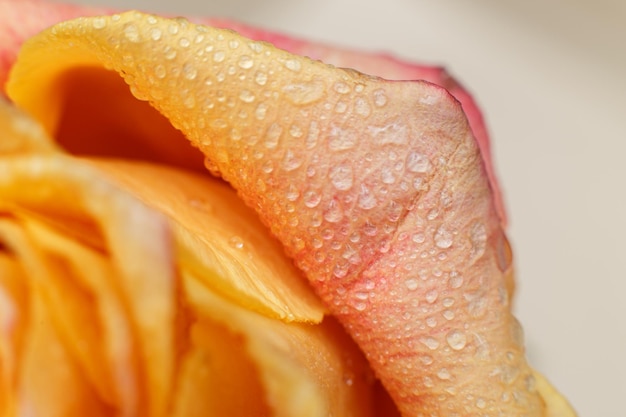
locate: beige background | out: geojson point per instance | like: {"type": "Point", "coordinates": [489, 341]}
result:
{"type": "Point", "coordinates": [549, 75]}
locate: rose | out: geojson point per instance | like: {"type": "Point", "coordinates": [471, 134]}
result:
{"type": "Point", "coordinates": [430, 139]}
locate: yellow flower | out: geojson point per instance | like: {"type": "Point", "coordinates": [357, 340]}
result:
{"type": "Point", "coordinates": [147, 288]}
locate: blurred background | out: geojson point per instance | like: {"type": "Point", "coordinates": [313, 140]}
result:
{"type": "Point", "coordinates": [550, 77]}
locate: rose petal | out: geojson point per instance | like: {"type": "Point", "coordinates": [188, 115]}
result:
{"type": "Point", "coordinates": [406, 181]}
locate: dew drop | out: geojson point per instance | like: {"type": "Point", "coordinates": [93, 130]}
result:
{"type": "Point", "coordinates": [291, 161]}
{"type": "Point", "coordinates": [160, 71]}
{"type": "Point", "coordinates": [304, 93]}
{"type": "Point", "coordinates": [219, 56]}
{"type": "Point", "coordinates": [431, 322]}
{"type": "Point", "coordinates": [260, 78]}
{"type": "Point", "coordinates": [478, 239]}
{"type": "Point", "coordinates": [155, 34]}
{"type": "Point", "coordinates": [131, 32]}
{"type": "Point", "coordinates": [456, 280]}
{"type": "Point", "coordinates": [392, 133]}
{"type": "Point", "coordinates": [333, 214]}
{"type": "Point", "coordinates": [387, 176]}
{"type": "Point", "coordinates": [189, 71]}
{"type": "Point", "coordinates": [380, 98]}
{"type": "Point", "coordinates": [443, 238]}
{"type": "Point", "coordinates": [341, 88]}
{"type": "Point", "coordinates": [366, 198]}
{"type": "Point", "coordinates": [293, 65]}
{"type": "Point", "coordinates": [444, 374]}
{"type": "Point", "coordinates": [362, 107]}
{"type": "Point", "coordinates": [428, 382]}
{"type": "Point", "coordinates": [341, 139]}
{"type": "Point", "coordinates": [184, 43]}
{"type": "Point", "coordinates": [481, 403]}
{"type": "Point", "coordinates": [233, 44]}
{"type": "Point", "coordinates": [292, 193]}
{"type": "Point", "coordinates": [448, 314]}
{"type": "Point", "coordinates": [456, 339]}
{"type": "Point", "coordinates": [411, 284]}
{"type": "Point", "coordinates": [99, 22]}
{"type": "Point", "coordinates": [418, 163]}
{"type": "Point", "coordinates": [341, 177]}
{"type": "Point", "coordinates": [236, 242]}
{"type": "Point", "coordinates": [273, 136]}
{"type": "Point", "coordinates": [261, 111]}
{"type": "Point", "coordinates": [311, 199]}
{"type": "Point", "coordinates": [430, 342]}
{"type": "Point", "coordinates": [246, 96]}
{"type": "Point", "coordinates": [245, 62]}
{"type": "Point", "coordinates": [431, 296]}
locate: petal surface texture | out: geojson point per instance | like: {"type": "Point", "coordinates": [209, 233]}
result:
{"type": "Point", "coordinates": [377, 189]}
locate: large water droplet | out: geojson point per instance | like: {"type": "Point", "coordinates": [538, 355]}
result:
{"type": "Point", "coordinates": [341, 176]}
{"type": "Point", "coordinates": [431, 296]}
{"type": "Point", "coordinates": [366, 199]}
{"type": "Point", "coordinates": [131, 32]}
{"type": "Point", "coordinates": [311, 199]}
{"type": "Point", "coordinates": [443, 238]}
{"type": "Point", "coordinates": [430, 342]}
{"type": "Point", "coordinates": [304, 93]}
{"type": "Point", "coordinates": [236, 242]}
{"type": "Point", "coordinates": [245, 62]}
{"type": "Point", "coordinates": [333, 213]}
{"type": "Point", "coordinates": [456, 339]}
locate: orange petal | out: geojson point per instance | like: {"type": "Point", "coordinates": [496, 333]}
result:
{"type": "Point", "coordinates": [376, 188]}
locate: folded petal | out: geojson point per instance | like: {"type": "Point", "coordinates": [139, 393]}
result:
{"type": "Point", "coordinates": [377, 189]}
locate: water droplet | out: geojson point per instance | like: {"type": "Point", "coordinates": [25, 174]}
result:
{"type": "Point", "coordinates": [236, 242]}
{"type": "Point", "coordinates": [219, 56]}
{"type": "Point", "coordinates": [348, 378]}
{"type": "Point", "coordinates": [428, 382]}
{"type": "Point", "coordinates": [292, 193]}
{"type": "Point", "coordinates": [291, 161]}
{"type": "Point", "coordinates": [184, 43]}
{"type": "Point", "coordinates": [431, 322]}
{"type": "Point", "coordinates": [261, 111]}
{"type": "Point", "coordinates": [99, 22]}
{"type": "Point", "coordinates": [312, 136]}
{"type": "Point", "coordinates": [380, 98]}
{"type": "Point", "coordinates": [260, 78]}
{"type": "Point", "coordinates": [456, 280]}
{"type": "Point", "coordinates": [245, 62]}
{"type": "Point", "coordinates": [481, 403]}
{"type": "Point", "coordinates": [387, 175]}
{"type": "Point", "coordinates": [341, 176]}
{"type": "Point", "coordinates": [411, 284]}
{"type": "Point", "coordinates": [293, 65]}
{"type": "Point", "coordinates": [131, 32]}
{"type": "Point", "coordinates": [430, 342]}
{"type": "Point", "coordinates": [341, 107]}
{"type": "Point", "coordinates": [233, 44]}
{"type": "Point", "coordinates": [333, 213]}
{"type": "Point", "coordinates": [341, 87]}
{"type": "Point", "coordinates": [431, 296]}
{"type": "Point", "coordinates": [366, 198]}
{"type": "Point", "coordinates": [362, 107]}
{"type": "Point", "coordinates": [304, 93]}
{"type": "Point", "coordinates": [444, 374]}
{"type": "Point", "coordinates": [418, 163]}
{"type": "Point", "coordinates": [189, 71]}
{"type": "Point", "coordinates": [273, 136]}
{"type": "Point", "coordinates": [160, 71]}
{"type": "Point", "coordinates": [443, 238]}
{"type": "Point", "coordinates": [448, 314]}
{"type": "Point", "coordinates": [341, 139]}
{"type": "Point", "coordinates": [456, 339]}
{"type": "Point", "coordinates": [246, 96]}
{"type": "Point", "coordinates": [311, 199]}
{"type": "Point", "coordinates": [393, 133]}
{"type": "Point", "coordinates": [478, 239]}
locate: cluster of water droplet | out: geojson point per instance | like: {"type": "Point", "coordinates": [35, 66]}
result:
{"type": "Point", "coordinates": [364, 181]}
